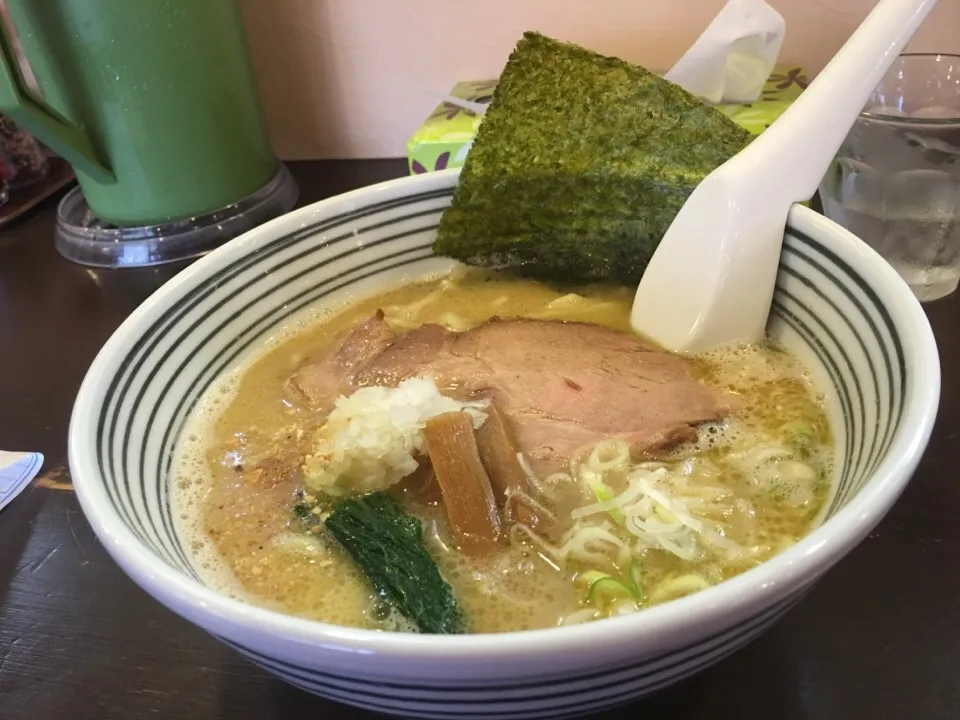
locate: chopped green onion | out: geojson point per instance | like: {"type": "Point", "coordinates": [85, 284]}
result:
{"type": "Point", "coordinates": [608, 590]}
{"type": "Point", "coordinates": [605, 496]}
{"type": "Point", "coordinates": [589, 577]}
{"type": "Point", "coordinates": [635, 577]}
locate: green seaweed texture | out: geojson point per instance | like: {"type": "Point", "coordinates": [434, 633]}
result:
{"type": "Point", "coordinates": [580, 165]}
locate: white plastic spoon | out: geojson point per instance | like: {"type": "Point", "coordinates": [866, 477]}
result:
{"type": "Point", "coordinates": [710, 281]}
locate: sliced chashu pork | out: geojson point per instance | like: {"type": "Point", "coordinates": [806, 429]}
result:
{"type": "Point", "coordinates": [320, 382]}
{"type": "Point", "coordinates": [562, 385]}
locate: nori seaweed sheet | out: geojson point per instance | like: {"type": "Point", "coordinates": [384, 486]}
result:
{"type": "Point", "coordinates": [580, 165]}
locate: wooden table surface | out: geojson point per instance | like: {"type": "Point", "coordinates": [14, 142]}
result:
{"type": "Point", "coordinates": [878, 638]}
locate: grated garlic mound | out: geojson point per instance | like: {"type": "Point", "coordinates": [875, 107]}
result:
{"type": "Point", "coordinates": [371, 439]}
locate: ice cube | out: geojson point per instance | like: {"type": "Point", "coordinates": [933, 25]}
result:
{"type": "Point", "coordinates": [920, 209]}
{"type": "Point", "coordinates": [919, 195]}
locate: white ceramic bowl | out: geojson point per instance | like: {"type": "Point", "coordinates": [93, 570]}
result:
{"type": "Point", "coordinates": [837, 305]}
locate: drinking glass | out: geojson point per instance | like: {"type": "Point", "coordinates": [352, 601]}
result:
{"type": "Point", "coordinates": [895, 182]}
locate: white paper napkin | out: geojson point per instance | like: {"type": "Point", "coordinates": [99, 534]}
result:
{"type": "Point", "coordinates": [17, 469]}
{"type": "Point", "coordinates": [732, 59]}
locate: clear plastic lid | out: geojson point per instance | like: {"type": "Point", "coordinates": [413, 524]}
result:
{"type": "Point", "coordinates": [86, 240]}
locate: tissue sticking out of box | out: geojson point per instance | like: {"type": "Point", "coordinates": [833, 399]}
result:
{"type": "Point", "coordinates": [732, 59]}
{"type": "Point", "coordinates": [728, 64]}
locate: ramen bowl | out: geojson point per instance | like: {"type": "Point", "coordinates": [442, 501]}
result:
{"type": "Point", "coordinates": [838, 306]}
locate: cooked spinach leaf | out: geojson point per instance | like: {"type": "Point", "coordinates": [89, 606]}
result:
{"type": "Point", "coordinates": [386, 544]}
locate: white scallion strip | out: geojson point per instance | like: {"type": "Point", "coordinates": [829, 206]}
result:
{"type": "Point", "coordinates": [686, 508]}
{"type": "Point", "coordinates": [650, 511]}
{"type": "Point", "coordinates": [528, 471]}
{"type": "Point", "coordinates": [715, 537]}
{"type": "Point", "coordinates": [595, 544]}
{"type": "Point", "coordinates": [432, 537]}
{"type": "Point", "coordinates": [651, 466]}
{"type": "Point", "coordinates": [531, 502]}
{"type": "Point", "coordinates": [675, 507]}
{"type": "Point", "coordinates": [520, 532]}
{"type": "Point", "coordinates": [678, 586]}
{"type": "Point", "coordinates": [557, 478]}
{"type": "Point", "coordinates": [608, 455]}
{"type": "Point", "coordinates": [619, 501]}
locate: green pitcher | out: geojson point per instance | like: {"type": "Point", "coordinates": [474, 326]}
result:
{"type": "Point", "coordinates": [152, 102]}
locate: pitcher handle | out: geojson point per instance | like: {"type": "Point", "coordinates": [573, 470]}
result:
{"type": "Point", "coordinates": [39, 119]}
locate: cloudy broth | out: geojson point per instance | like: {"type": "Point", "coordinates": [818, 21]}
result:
{"type": "Point", "coordinates": [236, 472]}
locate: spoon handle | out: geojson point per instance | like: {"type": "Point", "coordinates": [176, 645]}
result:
{"type": "Point", "coordinates": [797, 148]}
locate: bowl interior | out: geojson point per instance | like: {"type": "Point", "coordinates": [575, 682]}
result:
{"type": "Point", "coordinates": [837, 306]}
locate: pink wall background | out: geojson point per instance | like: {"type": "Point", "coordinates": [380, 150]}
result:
{"type": "Point", "coordinates": [349, 78]}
